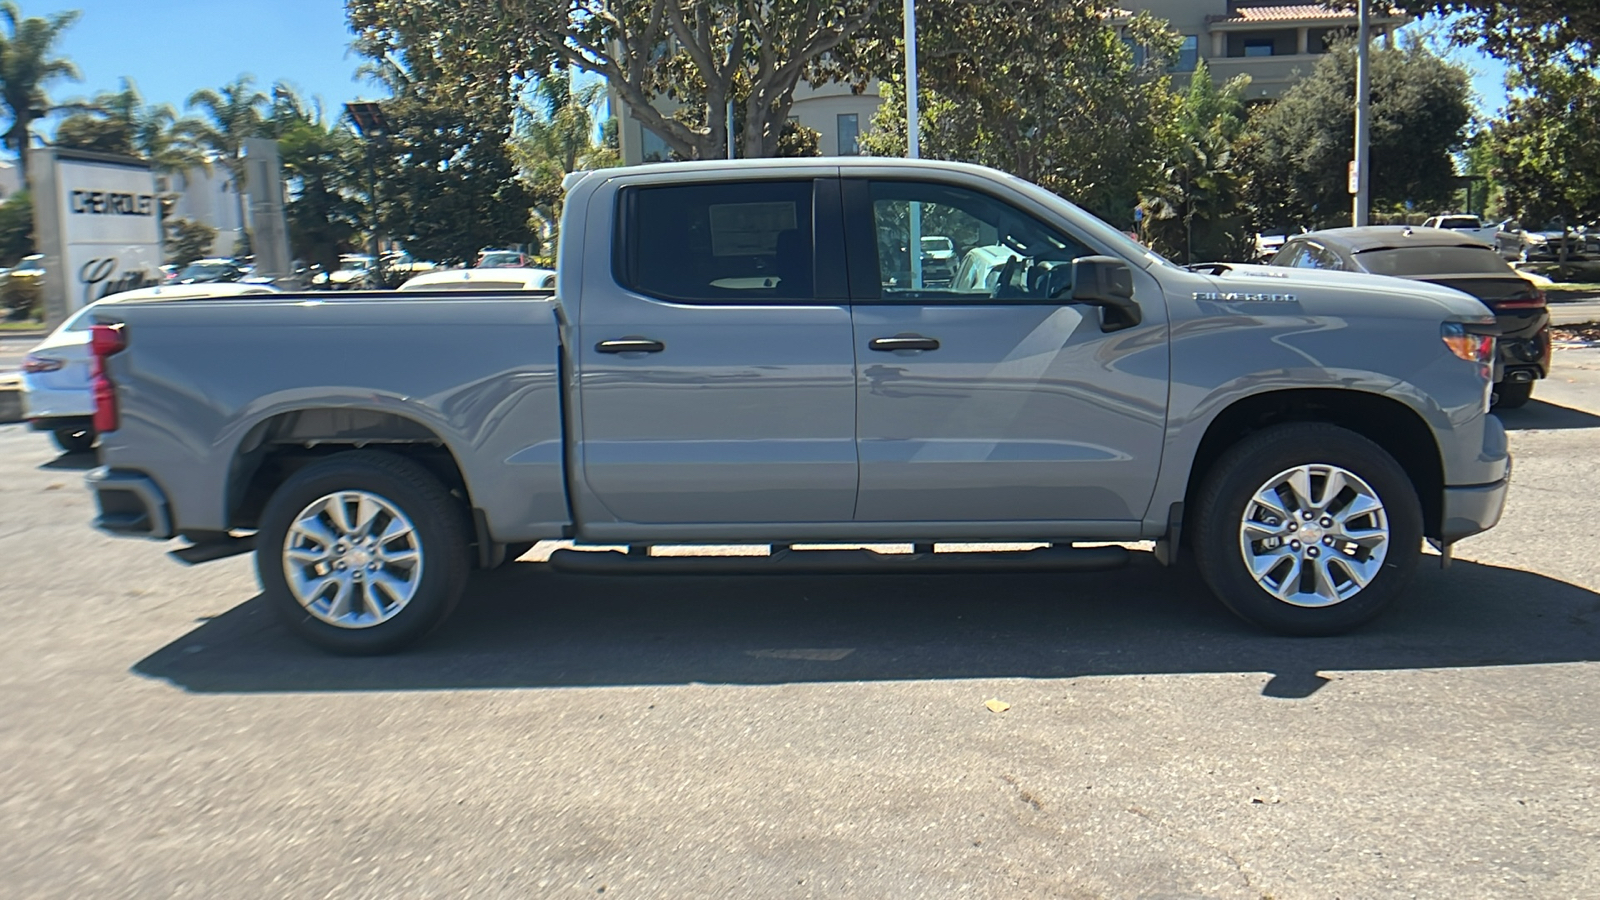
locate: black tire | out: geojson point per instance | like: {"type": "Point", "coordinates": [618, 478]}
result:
{"type": "Point", "coordinates": [1226, 496]}
{"type": "Point", "coordinates": [1512, 394]}
{"type": "Point", "coordinates": [74, 440]}
{"type": "Point", "coordinates": [515, 551]}
{"type": "Point", "coordinates": [441, 537]}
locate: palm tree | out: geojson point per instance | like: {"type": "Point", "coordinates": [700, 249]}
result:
{"type": "Point", "coordinates": [235, 115]}
{"type": "Point", "coordinates": [26, 67]}
{"type": "Point", "coordinates": [121, 122]}
{"type": "Point", "coordinates": [557, 137]}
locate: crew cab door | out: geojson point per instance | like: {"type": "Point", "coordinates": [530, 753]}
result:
{"type": "Point", "coordinates": [983, 394]}
{"type": "Point", "coordinates": [715, 361]}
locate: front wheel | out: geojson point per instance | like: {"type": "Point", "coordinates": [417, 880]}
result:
{"type": "Point", "coordinates": [1307, 529]}
{"type": "Point", "coordinates": [1512, 394]}
{"type": "Point", "coordinates": [362, 552]}
{"type": "Point", "coordinates": [74, 440]}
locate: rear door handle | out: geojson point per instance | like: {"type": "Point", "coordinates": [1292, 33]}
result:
{"type": "Point", "coordinates": [903, 342]}
{"type": "Point", "coordinates": [630, 345]}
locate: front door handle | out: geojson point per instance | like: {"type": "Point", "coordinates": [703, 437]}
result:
{"type": "Point", "coordinates": [903, 342]}
{"type": "Point", "coordinates": [630, 345]}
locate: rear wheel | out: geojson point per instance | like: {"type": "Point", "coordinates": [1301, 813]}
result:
{"type": "Point", "coordinates": [1307, 529]}
{"type": "Point", "coordinates": [74, 440]}
{"type": "Point", "coordinates": [1512, 394]}
{"type": "Point", "coordinates": [363, 552]}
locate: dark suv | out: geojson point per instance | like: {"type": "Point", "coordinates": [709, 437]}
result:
{"type": "Point", "coordinates": [1445, 258]}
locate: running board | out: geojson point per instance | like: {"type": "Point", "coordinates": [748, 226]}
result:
{"type": "Point", "coordinates": [222, 548]}
{"type": "Point", "coordinates": [844, 562]}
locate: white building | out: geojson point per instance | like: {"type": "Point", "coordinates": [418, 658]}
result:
{"type": "Point", "coordinates": [837, 114]}
{"type": "Point", "coordinates": [207, 197]}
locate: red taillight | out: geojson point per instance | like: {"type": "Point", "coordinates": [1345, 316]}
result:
{"type": "Point", "coordinates": [104, 341]}
{"type": "Point", "coordinates": [1533, 300]}
{"type": "Point", "coordinates": [35, 365]}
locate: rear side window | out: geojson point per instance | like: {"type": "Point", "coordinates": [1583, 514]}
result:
{"type": "Point", "coordinates": [725, 242]}
{"type": "Point", "coordinates": [1413, 261]}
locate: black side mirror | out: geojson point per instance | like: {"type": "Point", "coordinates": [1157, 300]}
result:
{"type": "Point", "coordinates": [1106, 282]}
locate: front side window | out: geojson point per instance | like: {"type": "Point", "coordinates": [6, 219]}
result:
{"type": "Point", "coordinates": [938, 242]}
{"type": "Point", "coordinates": [724, 242]}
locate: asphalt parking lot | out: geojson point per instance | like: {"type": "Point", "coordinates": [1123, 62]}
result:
{"type": "Point", "coordinates": [809, 736]}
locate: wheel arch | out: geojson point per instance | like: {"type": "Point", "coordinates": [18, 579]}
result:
{"type": "Point", "coordinates": [280, 444]}
{"type": "Point", "coordinates": [1401, 431]}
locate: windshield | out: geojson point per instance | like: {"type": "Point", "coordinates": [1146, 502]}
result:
{"type": "Point", "coordinates": [203, 271]}
{"type": "Point", "coordinates": [355, 265]}
{"type": "Point", "coordinates": [1461, 222]}
{"type": "Point", "coordinates": [500, 260]}
{"type": "Point", "coordinates": [1413, 261]}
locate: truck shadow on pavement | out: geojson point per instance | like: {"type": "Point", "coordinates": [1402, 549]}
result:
{"type": "Point", "coordinates": [1540, 414]}
{"type": "Point", "coordinates": [528, 627]}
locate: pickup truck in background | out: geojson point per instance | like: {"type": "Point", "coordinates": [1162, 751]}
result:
{"type": "Point", "coordinates": [739, 353]}
{"type": "Point", "coordinates": [1469, 226]}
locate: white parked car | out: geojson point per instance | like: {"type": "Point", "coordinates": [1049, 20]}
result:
{"type": "Point", "coordinates": [56, 396]}
{"type": "Point", "coordinates": [506, 279]}
{"type": "Point", "coordinates": [1469, 226]}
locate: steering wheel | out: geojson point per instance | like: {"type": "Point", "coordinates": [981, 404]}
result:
{"type": "Point", "coordinates": [1002, 285]}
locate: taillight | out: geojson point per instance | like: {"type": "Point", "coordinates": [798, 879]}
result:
{"type": "Point", "coordinates": [105, 341]}
{"type": "Point", "coordinates": [1534, 299]}
{"type": "Point", "coordinates": [1472, 346]}
{"type": "Point", "coordinates": [33, 365]}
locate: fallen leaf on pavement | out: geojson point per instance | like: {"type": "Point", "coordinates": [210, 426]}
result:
{"type": "Point", "coordinates": [996, 705]}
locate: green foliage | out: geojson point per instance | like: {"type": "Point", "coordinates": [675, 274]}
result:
{"type": "Point", "coordinates": [26, 68]}
{"type": "Point", "coordinates": [1526, 31]}
{"type": "Point", "coordinates": [1198, 209]}
{"type": "Point", "coordinates": [1299, 148]}
{"type": "Point", "coordinates": [1547, 149]}
{"type": "Point", "coordinates": [798, 140]}
{"type": "Point", "coordinates": [121, 122]}
{"type": "Point", "coordinates": [446, 184]}
{"type": "Point", "coordinates": [697, 55]}
{"type": "Point", "coordinates": [188, 240]}
{"type": "Point", "coordinates": [322, 163]}
{"type": "Point", "coordinates": [16, 228]}
{"type": "Point", "coordinates": [557, 137]}
{"type": "Point", "coordinates": [1050, 93]}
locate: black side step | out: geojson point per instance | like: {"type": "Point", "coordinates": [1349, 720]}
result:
{"type": "Point", "coordinates": [854, 562]}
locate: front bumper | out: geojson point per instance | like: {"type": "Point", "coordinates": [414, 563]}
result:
{"type": "Point", "coordinates": [1472, 510]}
{"type": "Point", "coordinates": [130, 504]}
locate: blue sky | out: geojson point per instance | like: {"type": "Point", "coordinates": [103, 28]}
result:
{"type": "Point", "coordinates": [170, 48]}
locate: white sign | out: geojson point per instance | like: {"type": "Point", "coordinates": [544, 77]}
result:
{"type": "Point", "coordinates": [110, 220]}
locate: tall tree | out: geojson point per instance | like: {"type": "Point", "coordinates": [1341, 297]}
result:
{"type": "Point", "coordinates": [1547, 148]}
{"type": "Point", "coordinates": [121, 122]}
{"type": "Point", "coordinates": [1530, 31]}
{"type": "Point", "coordinates": [558, 137]}
{"type": "Point", "coordinates": [321, 162]}
{"type": "Point", "coordinates": [674, 63]}
{"type": "Point", "coordinates": [1048, 91]}
{"type": "Point", "coordinates": [1199, 210]}
{"type": "Point", "coordinates": [1298, 149]}
{"type": "Point", "coordinates": [27, 67]}
{"type": "Point", "coordinates": [233, 114]}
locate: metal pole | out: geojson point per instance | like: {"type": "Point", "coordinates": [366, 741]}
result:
{"type": "Point", "coordinates": [913, 131]}
{"type": "Point", "coordinates": [1363, 179]}
{"type": "Point", "coordinates": [732, 40]}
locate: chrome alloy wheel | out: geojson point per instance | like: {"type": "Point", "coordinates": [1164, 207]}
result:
{"type": "Point", "coordinates": [352, 559]}
{"type": "Point", "coordinates": [1314, 535]}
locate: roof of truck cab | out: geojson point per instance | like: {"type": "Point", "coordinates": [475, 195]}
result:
{"type": "Point", "coordinates": [1390, 237]}
{"type": "Point", "coordinates": [785, 162]}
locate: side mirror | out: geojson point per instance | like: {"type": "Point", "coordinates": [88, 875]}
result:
{"type": "Point", "coordinates": [1106, 282]}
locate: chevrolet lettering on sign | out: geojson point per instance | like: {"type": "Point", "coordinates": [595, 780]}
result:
{"type": "Point", "coordinates": [107, 203]}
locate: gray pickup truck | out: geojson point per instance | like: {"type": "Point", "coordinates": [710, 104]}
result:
{"type": "Point", "coordinates": [750, 353]}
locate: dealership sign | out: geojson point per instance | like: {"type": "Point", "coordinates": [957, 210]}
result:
{"type": "Point", "coordinates": [98, 223]}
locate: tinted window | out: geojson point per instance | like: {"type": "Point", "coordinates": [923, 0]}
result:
{"type": "Point", "coordinates": [728, 242]}
{"type": "Point", "coordinates": [1460, 222]}
{"type": "Point", "coordinates": [1411, 261]}
{"type": "Point", "coordinates": [970, 246]}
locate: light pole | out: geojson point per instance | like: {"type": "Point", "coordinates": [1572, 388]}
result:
{"type": "Point", "coordinates": [371, 126]}
{"type": "Point", "coordinates": [913, 142]}
{"type": "Point", "coordinates": [1360, 177]}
